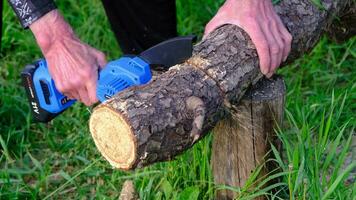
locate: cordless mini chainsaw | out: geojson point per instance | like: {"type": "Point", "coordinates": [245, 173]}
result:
{"type": "Point", "coordinates": [46, 102]}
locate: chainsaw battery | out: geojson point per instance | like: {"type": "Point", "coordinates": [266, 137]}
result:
{"type": "Point", "coordinates": [46, 102]}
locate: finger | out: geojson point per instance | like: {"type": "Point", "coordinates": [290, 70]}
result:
{"type": "Point", "coordinates": [269, 75]}
{"type": "Point", "coordinates": [83, 94]}
{"type": "Point", "coordinates": [101, 59]}
{"type": "Point", "coordinates": [287, 38]}
{"type": "Point", "coordinates": [280, 42]}
{"type": "Point", "coordinates": [63, 88]}
{"type": "Point", "coordinates": [214, 23]}
{"type": "Point", "coordinates": [91, 88]}
{"type": "Point", "coordinates": [259, 40]}
{"type": "Point", "coordinates": [274, 49]}
{"type": "Point", "coordinates": [68, 95]}
{"type": "Point", "coordinates": [210, 27]}
{"type": "Point", "coordinates": [73, 95]}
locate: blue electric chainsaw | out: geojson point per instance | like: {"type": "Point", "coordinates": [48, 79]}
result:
{"type": "Point", "coordinates": [46, 102]}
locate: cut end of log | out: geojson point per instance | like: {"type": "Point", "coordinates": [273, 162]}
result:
{"type": "Point", "coordinates": [113, 137]}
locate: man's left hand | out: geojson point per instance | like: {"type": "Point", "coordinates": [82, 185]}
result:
{"type": "Point", "coordinates": [262, 24]}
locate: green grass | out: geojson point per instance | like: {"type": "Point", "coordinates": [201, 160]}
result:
{"type": "Point", "coordinates": [59, 160]}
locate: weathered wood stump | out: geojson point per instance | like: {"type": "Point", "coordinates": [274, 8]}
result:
{"type": "Point", "coordinates": [242, 141]}
{"type": "Point", "coordinates": [128, 191]}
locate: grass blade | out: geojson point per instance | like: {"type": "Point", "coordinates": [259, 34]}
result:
{"type": "Point", "coordinates": [338, 180]}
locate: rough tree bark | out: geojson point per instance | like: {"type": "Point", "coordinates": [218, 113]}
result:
{"type": "Point", "coordinates": [344, 27]}
{"type": "Point", "coordinates": [155, 122]}
{"type": "Point", "coordinates": [242, 140]}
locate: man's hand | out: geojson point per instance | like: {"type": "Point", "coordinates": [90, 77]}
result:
{"type": "Point", "coordinates": [262, 24]}
{"type": "Point", "coordinates": [72, 64]}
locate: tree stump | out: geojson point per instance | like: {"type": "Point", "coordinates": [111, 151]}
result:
{"type": "Point", "coordinates": [128, 191]}
{"type": "Point", "coordinates": [242, 141]}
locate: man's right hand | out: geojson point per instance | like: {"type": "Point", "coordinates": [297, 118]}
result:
{"type": "Point", "coordinates": [72, 64]}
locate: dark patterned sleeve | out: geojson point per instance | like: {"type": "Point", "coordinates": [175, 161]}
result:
{"type": "Point", "coordinates": [28, 11]}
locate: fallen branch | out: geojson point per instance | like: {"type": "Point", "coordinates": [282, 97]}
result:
{"type": "Point", "coordinates": [157, 121]}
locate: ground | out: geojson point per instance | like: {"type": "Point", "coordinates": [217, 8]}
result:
{"type": "Point", "coordinates": [60, 161]}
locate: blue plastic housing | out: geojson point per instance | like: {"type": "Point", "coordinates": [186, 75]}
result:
{"type": "Point", "coordinates": [120, 74]}
{"type": "Point", "coordinates": [115, 77]}
{"type": "Point", "coordinates": [50, 99]}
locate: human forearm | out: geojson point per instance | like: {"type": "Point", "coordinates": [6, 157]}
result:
{"type": "Point", "coordinates": [50, 28]}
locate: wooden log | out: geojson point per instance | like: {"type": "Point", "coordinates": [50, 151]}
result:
{"type": "Point", "coordinates": [242, 141]}
{"type": "Point", "coordinates": [344, 27]}
{"type": "Point", "coordinates": [155, 122]}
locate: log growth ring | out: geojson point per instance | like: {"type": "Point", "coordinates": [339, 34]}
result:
{"type": "Point", "coordinates": [113, 137]}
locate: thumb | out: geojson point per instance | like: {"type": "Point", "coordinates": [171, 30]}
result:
{"type": "Point", "coordinates": [213, 24]}
{"type": "Point", "coordinates": [101, 59]}
{"type": "Point", "coordinates": [217, 21]}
